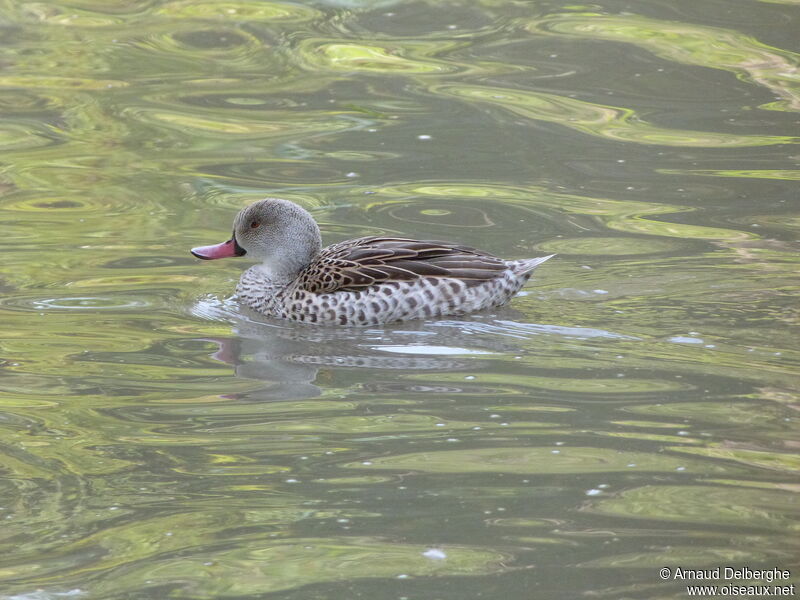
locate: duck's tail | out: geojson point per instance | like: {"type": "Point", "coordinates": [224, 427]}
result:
{"type": "Point", "coordinates": [526, 265]}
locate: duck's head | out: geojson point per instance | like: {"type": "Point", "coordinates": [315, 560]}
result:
{"type": "Point", "coordinates": [277, 233]}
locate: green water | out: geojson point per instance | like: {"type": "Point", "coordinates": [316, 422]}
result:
{"type": "Point", "coordinates": [635, 407]}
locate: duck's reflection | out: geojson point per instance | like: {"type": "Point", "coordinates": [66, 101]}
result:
{"type": "Point", "coordinates": [291, 358]}
{"type": "Point", "coordinates": [294, 360]}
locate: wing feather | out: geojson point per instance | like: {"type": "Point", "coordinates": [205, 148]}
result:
{"type": "Point", "coordinates": [357, 264]}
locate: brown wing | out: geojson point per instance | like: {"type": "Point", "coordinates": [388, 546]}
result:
{"type": "Point", "coordinates": [356, 264]}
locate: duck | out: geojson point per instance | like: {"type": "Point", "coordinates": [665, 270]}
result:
{"type": "Point", "coordinates": [359, 282]}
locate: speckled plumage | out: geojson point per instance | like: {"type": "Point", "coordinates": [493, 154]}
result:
{"type": "Point", "coordinates": [371, 280]}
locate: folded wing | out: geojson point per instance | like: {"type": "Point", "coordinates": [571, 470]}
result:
{"type": "Point", "coordinates": [357, 264]}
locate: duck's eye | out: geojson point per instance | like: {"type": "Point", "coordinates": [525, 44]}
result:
{"type": "Point", "coordinates": [254, 224]}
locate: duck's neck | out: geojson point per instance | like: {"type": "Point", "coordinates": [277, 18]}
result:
{"type": "Point", "coordinates": [286, 266]}
{"type": "Point", "coordinates": [278, 274]}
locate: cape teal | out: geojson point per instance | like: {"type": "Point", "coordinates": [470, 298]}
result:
{"type": "Point", "coordinates": [366, 281]}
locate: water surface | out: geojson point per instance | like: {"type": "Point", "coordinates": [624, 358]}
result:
{"type": "Point", "coordinates": [634, 408]}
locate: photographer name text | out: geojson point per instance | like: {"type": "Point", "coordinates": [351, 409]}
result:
{"type": "Point", "coordinates": [726, 574]}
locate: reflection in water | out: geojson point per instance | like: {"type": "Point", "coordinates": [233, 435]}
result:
{"type": "Point", "coordinates": [636, 408]}
{"type": "Point", "coordinates": [278, 352]}
{"type": "Point", "coordinates": [692, 44]}
{"type": "Point", "coordinates": [605, 121]}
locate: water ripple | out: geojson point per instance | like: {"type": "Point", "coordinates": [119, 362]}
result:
{"type": "Point", "coordinates": [614, 123]}
{"type": "Point", "coordinates": [396, 56]}
{"type": "Point", "coordinates": [718, 48]}
{"type": "Point", "coordinates": [240, 11]}
{"type": "Point", "coordinates": [121, 302]}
